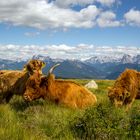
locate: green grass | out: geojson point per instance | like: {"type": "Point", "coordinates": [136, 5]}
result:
{"type": "Point", "coordinates": [44, 120]}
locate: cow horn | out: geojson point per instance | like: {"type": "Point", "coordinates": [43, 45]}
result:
{"type": "Point", "coordinates": [52, 68]}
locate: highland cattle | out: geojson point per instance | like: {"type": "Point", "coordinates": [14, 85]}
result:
{"type": "Point", "coordinates": [59, 91]}
{"type": "Point", "coordinates": [13, 81]}
{"type": "Point", "coordinates": [125, 89]}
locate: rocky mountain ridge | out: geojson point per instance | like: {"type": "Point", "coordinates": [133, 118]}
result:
{"type": "Point", "coordinates": [97, 67]}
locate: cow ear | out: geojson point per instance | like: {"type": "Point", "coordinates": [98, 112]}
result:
{"type": "Point", "coordinates": [43, 64]}
{"type": "Point", "coordinates": [24, 68]}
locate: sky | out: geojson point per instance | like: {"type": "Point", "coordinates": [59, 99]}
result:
{"type": "Point", "coordinates": [67, 28]}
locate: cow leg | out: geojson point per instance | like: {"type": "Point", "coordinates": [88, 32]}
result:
{"type": "Point", "coordinates": [138, 95]}
{"type": "Point", "coordinates": [8, 97]}
{"type": "Point", "coordinates": [71, 104]}
{"type": "Point", "coordinates": [5, 97]}
{"type": "Point", "coordinates": [129, 105]}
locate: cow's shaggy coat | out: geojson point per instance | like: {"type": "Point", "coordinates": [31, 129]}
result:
{"type": "Point", "coordinates": [64, 92]}
{"type": "Point", "coordinates": [126, 89]}
{"type": "Point", "coordinates": [13, 81]}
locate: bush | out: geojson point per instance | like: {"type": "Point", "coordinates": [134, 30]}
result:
{"type": "Point", "coordinates": [101, 122]}
{"type": "Point", "coordinates": [134, 127]}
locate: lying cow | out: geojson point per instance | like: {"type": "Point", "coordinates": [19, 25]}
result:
{"type": "Point", "coordinates": [13, 81]}
{"type": "Point", "coordinates": [64, 92]}
{"type": "Point", "coordinates": [126, 89]}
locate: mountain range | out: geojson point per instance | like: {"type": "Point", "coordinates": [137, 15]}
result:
{"type": "Point", "coordinates": [97, 67]}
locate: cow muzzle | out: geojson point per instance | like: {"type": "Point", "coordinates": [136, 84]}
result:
{"type": "Point", "coordinates": [27, 97]}
{"type": "Point", "coordinates": [118, 104]}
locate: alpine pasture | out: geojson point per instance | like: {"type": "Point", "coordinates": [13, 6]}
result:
{"type": "Point", "coordinates": [44, 120]}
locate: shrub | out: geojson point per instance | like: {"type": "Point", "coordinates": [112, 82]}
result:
{"type": "Point", "coordinates": [134, 127]}
{"type": "Point", "coordinates": [101, 122]}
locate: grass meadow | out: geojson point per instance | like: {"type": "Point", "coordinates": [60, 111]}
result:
{"type": "Point", "coordinates": [44, 120]}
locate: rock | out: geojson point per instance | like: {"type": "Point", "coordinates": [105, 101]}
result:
{"type": "Point", "coordinates": [91, 84]}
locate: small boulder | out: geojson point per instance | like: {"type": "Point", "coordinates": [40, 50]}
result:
{"type": "Point", "coordinates": [91, 84]}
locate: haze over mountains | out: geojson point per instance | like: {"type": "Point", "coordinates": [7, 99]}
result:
{"type": "Point", "coordinates": [97, 66]}
{"type": "Point", "coordinates": [79, 52]}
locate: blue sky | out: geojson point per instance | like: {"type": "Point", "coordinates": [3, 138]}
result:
{"type": "Point", "coordinates": [71, 22]}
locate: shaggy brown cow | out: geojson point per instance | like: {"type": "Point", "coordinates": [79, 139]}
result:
{"type": "Point", "coordinates": [13, 81]}
{"type": "Point", "coordinates": [59, 91]}
{"type": "Point", "coordinates": [126, 89]}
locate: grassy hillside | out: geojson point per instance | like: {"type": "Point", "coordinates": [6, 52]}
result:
{"type": "Point", "coordinates": [43, 120]}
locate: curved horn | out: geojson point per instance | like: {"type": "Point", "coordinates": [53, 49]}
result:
{"type": "Point", "coordinates": [52, 68]}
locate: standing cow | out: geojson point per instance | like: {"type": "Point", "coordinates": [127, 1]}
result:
{"type": "Point", "coordinates": [126, 89]}
{"type": "Point", "coordinates": [64, 92]}
{"type": "Point", "coordinates": [13, 81]}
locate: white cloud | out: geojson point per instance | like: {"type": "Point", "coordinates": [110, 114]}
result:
{"type": "Point", "coordinates": [107, 2]}
{"type": "Point", "coordinates": [132, 17]}
{"type": "Point", "coordinates": [108, 19]}
{"type": "Point", "coordinates": [40, 14]}
{"type": "Point", "coordinates": [43, 14]}
{"type": "Point", "coordinates": [32, 34]}
{"type": "Point", "coordinates": [81, 51]}
{"type": "Point", "coordinates": [67, 3]}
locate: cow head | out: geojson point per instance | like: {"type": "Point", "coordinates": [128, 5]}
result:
{"type": "Point", "coordinates": [118, 95]}
{"type": "Point", "coordinates": [34, 66]}
{"type": "Point", "coordinates": [36, 85]}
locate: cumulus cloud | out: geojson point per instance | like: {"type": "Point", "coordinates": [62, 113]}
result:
{"type": "Point", "coordinates": [108, 19]}
{"type": "Point", "coordinates": [80, 52]}
{"type": "Point", "coordinates": [31, 34]}
{"type": "Point", "coordinates": [41, 14]}
{"type": "Point", "coordinates": [44, 14]}
{"type": "Point", "coordinates": [68, 3]}
{"type": "Point", "coordinates": [132, 17]}
{"type": "Point", "coordinates": [107, 2]}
